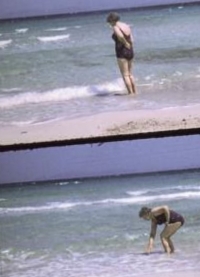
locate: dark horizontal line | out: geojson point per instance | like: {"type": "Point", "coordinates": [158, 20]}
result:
{"type": "Point", "coordinates": [99, 140]}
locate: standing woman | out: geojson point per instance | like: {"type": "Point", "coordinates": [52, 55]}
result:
{"type": "Point", "coordinates": [162, 215]}
{"type": "Point", "coordinates": [123, 49]}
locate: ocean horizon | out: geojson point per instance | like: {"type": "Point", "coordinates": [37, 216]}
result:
{"type": "Point", "coordinates": [42, 8]}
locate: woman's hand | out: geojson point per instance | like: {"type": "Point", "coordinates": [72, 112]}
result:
{"type": "Point", "coordinates": [150, 245]}
{"type": "Point", "coordinates": [127, 45]}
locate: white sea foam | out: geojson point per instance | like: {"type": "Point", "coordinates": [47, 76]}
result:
{"type": "Point", "coordinates": [145, 85]}
{"type": "Point", "coordinates": [110, 87]}
{"type": "Point", "coordinates": [63, 183]}
{"type": "Point", "coordinates": [26, 260]}
{"type": "Point", "coordinates": [2, 199]}
{"type": "Point", "coordinates": [92, 264]}
{"type": "Point", "coordinates": [4, 43]}
{"type": "Point", "coordinates": [57, 29]}
{"type": "Point", "coordinates": [57, 95]}
{"type": "Point", "coordinates": [149, 77]}
{"type": "Point", "coordinates": [178, 73]}
{"type": "Point", "coordinates": [131, 237]}
{"type": "Point", "coordinates": [49, 96]}
{"type": "Point", "coordinates": [190, 187]}
{"type": "Point", "coordinates": [65, 206]}
{"type": "Point", "coordinates": [161, 197]}
{"type": "Point", "coordinates": [53, 38]}
{"type": "Point", "coordinates": [142, 199]}
{"type": "Point", "coordinates": [137, 193]}
{"type": "Point", "coordinates": [174, 188]}
{"type": "Point", "coordinates": [24, 30]}
{"type": "Point", "coordinates": [10, 89]}
{"type": "Point", "coordinates": [37, 209]}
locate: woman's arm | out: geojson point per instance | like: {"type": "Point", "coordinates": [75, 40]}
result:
{"type": "Point", "coordinates": [152, 236]}
{"type": "Point", "coordinates": [132, 40]}
{"type": "Point", "coordinates": [121, 37]}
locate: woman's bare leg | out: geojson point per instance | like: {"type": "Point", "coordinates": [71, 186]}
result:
{"type": "Point", "coordinates": [124, 69]}
{"type": "Point", "coordinates": [130, 63]}
{"type": "Point", "coordinates": [165, 245]}
{"type": "Point", "coordinates": [171, 245]}
{"type": "Point", "coordinates": [168, 231]}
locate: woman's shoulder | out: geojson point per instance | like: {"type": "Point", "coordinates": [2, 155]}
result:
{"type": "Point", "coordinates": [159, 210]}
{"type": "Point", "coordinates": [124, 27]}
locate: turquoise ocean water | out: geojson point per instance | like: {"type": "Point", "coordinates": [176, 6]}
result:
{"type": "Point", "coordinates": [90, 227]}
{"type": "Point", "coordinates": [65, 67]}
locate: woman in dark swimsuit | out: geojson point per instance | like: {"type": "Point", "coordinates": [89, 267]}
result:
{"type": "Point", "coordinates": [124, 49]}
{"type": "Point", "coordinates": [162, 215]}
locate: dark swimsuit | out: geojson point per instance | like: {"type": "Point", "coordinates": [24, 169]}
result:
{"type": "Point", "coordinates": [174, 217]}
{"type": "Point", "coordinates": [121, 51]}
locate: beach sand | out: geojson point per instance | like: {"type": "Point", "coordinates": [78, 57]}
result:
{"type": "Point", "coordinates": [105, 124]}
{"type": "Point", "coordinates": [174, 274]}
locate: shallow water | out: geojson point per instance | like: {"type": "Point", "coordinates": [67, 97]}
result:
{"type": "Point", "coordinates": [63, 68]}
{"type": "Point", "coordinates": [90, 227]}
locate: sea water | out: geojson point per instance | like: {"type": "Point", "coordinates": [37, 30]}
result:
{"type": "Point", "coordinates": [65, 67]}
{"type": "Point", "coordinates": [90, 227]}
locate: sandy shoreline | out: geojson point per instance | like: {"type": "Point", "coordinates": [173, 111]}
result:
{"type": "Point", "coordinates": [106, 124]}
{"type": "Point", "coordinates": [174, 274]}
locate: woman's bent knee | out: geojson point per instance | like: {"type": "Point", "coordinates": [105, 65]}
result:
{"type": "Point", "coordinates": [162, 237]}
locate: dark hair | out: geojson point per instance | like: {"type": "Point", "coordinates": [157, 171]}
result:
{"type": "Point", "coordinates": [144, 211]}
{"type": "Point", "coordinates": [113, 17]}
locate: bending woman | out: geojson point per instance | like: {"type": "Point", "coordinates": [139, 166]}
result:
{"type": "Point", "coordinates": [123, 49]}
{"type": "Point", "coordinates": [162, 215]}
